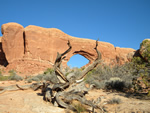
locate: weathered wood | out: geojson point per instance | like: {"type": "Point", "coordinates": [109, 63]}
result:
{"type": "Point", "coordinates": [93, 65]}
{"type": "Point", "coordinates": [58, 62]}
{"type": "Point", "coordinates": [73, 90]}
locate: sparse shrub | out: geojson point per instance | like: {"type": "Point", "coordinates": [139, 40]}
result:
{"type": "Point", "coordinates": [0, 73]}
{"type": "Point", "coordinates": [102, 77]}
{"type": "Point", "coordinates": [50, 77]}
{"type": "Point", "coordinates": [114, 101]}
{"type": "Point", "coordinates": [49, 70]}
{"type": "Point", "coordinates": [3, 78]}
{"type": "Point", "coordinates": [12, 72]}
{"type": "Point", "coordinates": [15, 77]}
{"type": "Point", "coordinates": [40, 76]}
{"type": "Point", "coordinates": [116, 84]}
{"type": "Point", "coordinates": [35, 79]}
{"type": "Point", "coordinates": [99, 84]}
{"type": "Point", "coordinates": [29, 80]}
{"type": "Point", "coordinates": [75, 73]}
{"type": "Point", "coordinates": [79, 107]}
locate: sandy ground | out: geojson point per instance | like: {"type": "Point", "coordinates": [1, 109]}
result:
{"type": "Point", "coordinates": [29, 101]}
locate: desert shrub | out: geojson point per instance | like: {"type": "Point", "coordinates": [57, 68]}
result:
{"type": "Point", "coordinates": [12, 72]}
{"type": "Point", "coordinates": [12, 76]}
{"type": "Point", "coordinates": [79, 107]}
{"type": "Point", "coordinates": [35, 79]}
{"type": "Point", "coordinates": [15, 77]}
{"type": "Point", "coordinates": [102, 77]}
{"type": "Point", "coordinates": [141, 80]}
{"type": "Point", "coordinates": [0, 73]}
{"type": "Point", "coordinates": [74, 74]}
{"type": "Point", "coordinates": [3, 78]}
{"type": "Point", "coordinates": [39, 76]}
{"type": "Point", "coordinates": [49, 70]}
{"type": "Point", "coordinates": [29, 80]}
{"type": "Point", "coordinates": [116, 84]}
{"type": "Point", "coordinates": [50, 77]}
{"type": "Point", "coordinates": [114, 101]}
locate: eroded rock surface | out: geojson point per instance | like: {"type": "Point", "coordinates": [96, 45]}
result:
{"type": "Point", "coordinates": [38, 46]}
{"type": "Point", "coordinates": [12, 41]}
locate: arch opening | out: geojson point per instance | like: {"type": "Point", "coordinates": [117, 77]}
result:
{"type": "Point", "coordinates": [78, 61]}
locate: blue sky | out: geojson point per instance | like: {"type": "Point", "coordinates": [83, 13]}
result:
{"type": "Point", "coordinates": [124, 23]}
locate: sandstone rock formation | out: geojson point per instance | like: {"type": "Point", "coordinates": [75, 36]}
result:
{"type": "Point", "coordinates": [35, 48]}
{"type": "Point", "coordinates": [12, 41]}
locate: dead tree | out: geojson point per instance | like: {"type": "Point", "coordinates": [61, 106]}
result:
{"type": "Point", "coordinates": [67, 90]}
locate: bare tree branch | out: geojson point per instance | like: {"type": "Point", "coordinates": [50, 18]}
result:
{"type": "Point", "coordinates": [58, 62]}
{"type": "Point", "coordinates": [93, 65]}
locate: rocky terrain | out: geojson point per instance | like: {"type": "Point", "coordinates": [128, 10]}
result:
{"type": "Point", "coordinates": [32, 49]}
{"type": "Point", "coordinates": [29, 101]}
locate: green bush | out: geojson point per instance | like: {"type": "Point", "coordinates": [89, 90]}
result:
{"type": "Point", "coordinates": [116, 85]}
{"type": "Point", "coordinates": [145, 47]}
{"type": "Point", "coordinates": [49, 70]}
{"type": "Point", "coordinates": [4, 78]}
{"type": "Point", "coordinates": [141, 80]}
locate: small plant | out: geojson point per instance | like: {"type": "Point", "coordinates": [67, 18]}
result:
{"type": "Point", "coordinates": [35, 79]}
{"type": "Point", "coordinates": [29, 80]}
{"type": "Point", "coordinates": [79, 107]}
{"type": "Point", "coordinates": [12, 72]}
{"type": "Point", "coordinates": [49, 70]}
{"type": "Point", "coordinates": [40, 76]}
{"type": "Point", "coordinates": [50, 77]}
{"type": "Point", "coordinates": [118, 84]}
{"type": "Point", "coordinates": [15, 77]}
{"type": "Point", "coordinates": [114, 101]}
{"type": "Point", "coordinates": [0, 73]}
{"type": "Point", "coordinates": [4, 78]}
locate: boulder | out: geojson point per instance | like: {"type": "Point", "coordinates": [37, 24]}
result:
{"type": "Point", "coordinates": [12, 41]}
{"type": "Point", "coordinates": [36, 46]}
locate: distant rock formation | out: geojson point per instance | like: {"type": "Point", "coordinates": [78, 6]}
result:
{"type": "Point", "coordinates": [33, 49]}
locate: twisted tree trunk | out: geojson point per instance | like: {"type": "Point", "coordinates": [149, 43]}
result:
{"type": "Point", "coordinates": [67, 90]}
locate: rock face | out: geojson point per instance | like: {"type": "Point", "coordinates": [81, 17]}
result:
{"type": "Point", "coordinates": [12, 41]}
{"type": "Point", "coordinates": [37, 47]}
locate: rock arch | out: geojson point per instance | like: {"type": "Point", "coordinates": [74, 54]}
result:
{"type": "Point", "coordinates": [77, 60]}
{"type": "Point", "coordinates": [34, 47]}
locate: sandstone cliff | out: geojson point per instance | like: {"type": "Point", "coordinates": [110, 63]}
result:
{"type": "Point", "coordinates": [33, 49]}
